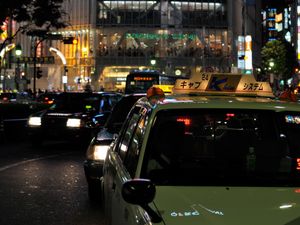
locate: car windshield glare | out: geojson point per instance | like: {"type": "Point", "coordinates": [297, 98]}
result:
{"type": "Point", "coordinates": [223, 147]}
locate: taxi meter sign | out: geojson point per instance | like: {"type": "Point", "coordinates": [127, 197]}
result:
{"type": "Point", "coordinates": [218, 83]}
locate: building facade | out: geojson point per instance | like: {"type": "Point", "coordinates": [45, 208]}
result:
{"type": "Point", "coordinates": [114, 37]}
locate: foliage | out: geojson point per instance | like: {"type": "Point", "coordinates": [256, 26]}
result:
{"type": "Point", "coordinates": [273, 52]}
{"type": "Point", "coordinates": [283, 56]}
{"type": "Point", "coordinates": [45, 14]}
{"type": "Point", "coordinates": [33, 14]}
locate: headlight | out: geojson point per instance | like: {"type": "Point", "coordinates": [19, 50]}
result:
{"type": "Point", "coordinates": [97, 152]}
{"type": "Point", "coordinates": [72, 122]}
{"type": "Point", "coordinates": [34, 121]}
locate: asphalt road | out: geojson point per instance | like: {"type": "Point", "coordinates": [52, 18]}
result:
{"type": "Point", "coordinates": [44, 186]}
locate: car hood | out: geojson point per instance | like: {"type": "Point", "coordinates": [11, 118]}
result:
{"type": "Point", "coordinates": [228, 205]}
{"type": "Point", "coordinates": [104, 135]}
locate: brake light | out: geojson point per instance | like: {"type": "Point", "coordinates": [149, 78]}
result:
{"type": "Point", "coordinates": [186, 121]}
{"type": "Point", "coordinates": [297, 191]}
{"type": "Point", "coordinates": [230, 114]}
{"type": "Point", "coordinates": [298, 164]}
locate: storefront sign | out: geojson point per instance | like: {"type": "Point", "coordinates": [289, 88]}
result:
{"type": "Point", "coordinates": [161, 36]}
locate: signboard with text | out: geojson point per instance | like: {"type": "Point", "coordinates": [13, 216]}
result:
{"type": "Point", "coordinates": [39, 60]}
{"type": "Point", "coordinates": [218, 83]}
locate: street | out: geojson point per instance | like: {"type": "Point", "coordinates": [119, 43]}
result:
{"type": "Point", "coordinates": [44, 185]}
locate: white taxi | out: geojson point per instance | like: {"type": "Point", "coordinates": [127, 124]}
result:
{"type": "Point", "coordinates": [219, 151]}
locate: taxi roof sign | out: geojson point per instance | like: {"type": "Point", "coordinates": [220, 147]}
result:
{"type": "Point", "coordinates": [167, 88]}
{"type": "Point", "coordinates": [223, 83]}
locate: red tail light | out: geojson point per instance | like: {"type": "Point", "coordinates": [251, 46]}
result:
{"type": "Point", "coordinates": [187, 121]}
{"type": "Point", "coordinates": [298, 164]}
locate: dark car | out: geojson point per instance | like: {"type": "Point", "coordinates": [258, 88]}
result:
{"type": "Point", "coordinates": [75, 116]}
{"type": "Point", "coordinates": [96, 152]}
{"type": "Point", "coordinates": [15, 109]}
{"type": "Point", "coordinates": [48, 97]}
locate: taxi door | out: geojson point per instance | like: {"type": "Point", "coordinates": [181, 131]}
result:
{"type": "Point", "coordinates": [122, 167]}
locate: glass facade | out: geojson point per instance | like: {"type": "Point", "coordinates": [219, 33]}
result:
{"type": "Point", "coordinates": [185, 34]}
{"type": "Point", "coordinates": [162, 13]}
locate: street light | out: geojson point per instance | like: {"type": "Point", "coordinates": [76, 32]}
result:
{"type": "Point", "coordinates": [153, 62]}
{"type": "Point", "coordinates": [18, 51]}
{"type": "Point", "coordinates": [64, 62]}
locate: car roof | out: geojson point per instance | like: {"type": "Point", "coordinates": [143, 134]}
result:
{"type": "Point", "coordinates": [223, 102]}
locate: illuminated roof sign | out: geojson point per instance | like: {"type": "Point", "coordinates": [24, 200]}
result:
{"type": "Point", "coordinates": [223, 83]}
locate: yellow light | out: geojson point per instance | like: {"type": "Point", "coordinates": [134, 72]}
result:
{"type": "Point", "coordinates": [84, 49]}
{"type": "Point", "coordinates": [75, 41]}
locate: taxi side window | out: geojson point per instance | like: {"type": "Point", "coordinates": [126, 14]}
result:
{"type": "Point", "coordinates": [132, 156]}
{"type": "Point", "coordinates": [130, 143]}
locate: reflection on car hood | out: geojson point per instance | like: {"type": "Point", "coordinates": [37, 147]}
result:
{"type": "Point", "coordinates": [59, 114]}
{"type": "Point", "coordinates": [104, 135]}
{"type": "Point", "coordinates": [230, 206]}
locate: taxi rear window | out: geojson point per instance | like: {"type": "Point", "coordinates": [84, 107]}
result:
{"type": "Point", "coordinates": [223, 147]}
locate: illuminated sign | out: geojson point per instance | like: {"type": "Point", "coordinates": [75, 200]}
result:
{"type": "Point", "coordinates": [3, 35]}
{"type": "Point", "coordinates": [212, 83]}
{"type": "Point", "coordinates": [248, 52]}
{"type": "Point", "coordinates": [241, 52]}
{"type": "Point", "coordinates": [152, 36]}
{"type": "Point", "coordinates": [144, 78]}
{"type": "Point", "coordinates": [278, 18]}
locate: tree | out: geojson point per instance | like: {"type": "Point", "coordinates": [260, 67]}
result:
{"type": "Point", "coordinates": [273, 58]}
{"type": "Point", "coordinates": [31, 15]}
{"type": "Point", "coordinates": [279, 58]}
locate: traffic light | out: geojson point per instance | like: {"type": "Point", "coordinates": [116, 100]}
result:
{"type": "Point", "coordinates": [39, 73]}
{"type": "Point", "coordinates": [75, 41]}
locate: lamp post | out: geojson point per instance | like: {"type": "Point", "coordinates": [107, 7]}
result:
{"type": "Point", "coordinates": [18, 52]}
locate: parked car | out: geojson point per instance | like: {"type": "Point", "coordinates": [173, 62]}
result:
{"type": "Point", "coordinates": [221, 150]}
{"type": "Point", "coordinates": [75, 116]}
{"type": "Point", "coordinates": [97, 149]}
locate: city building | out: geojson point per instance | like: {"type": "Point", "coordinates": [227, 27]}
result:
{"type": "Point", "coordinates": [114, 37]}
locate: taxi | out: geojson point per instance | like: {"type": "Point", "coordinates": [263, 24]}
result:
{"type": "Point", "coordinates": [74, 117]}
{"type": "Point", "coordinates": [219, 150]}
{"type": "Point", "coordinates": [97, 149]}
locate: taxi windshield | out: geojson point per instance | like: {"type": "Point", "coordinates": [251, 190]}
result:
{"type": "Point", "coordinates": [223, 148]}
{"type": "Point", "coordinates": [77, 102]}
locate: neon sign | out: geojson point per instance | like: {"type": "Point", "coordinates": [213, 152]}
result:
{"type": "Point", "coordinates": [152, 36]}
{"type": "Point", "coordinates": [143, 78]}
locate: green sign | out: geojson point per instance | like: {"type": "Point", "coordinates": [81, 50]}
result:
{"type": "Point", "coordinates": [39, 60]}
{"type": "Point", "coordinates": [152, 36]}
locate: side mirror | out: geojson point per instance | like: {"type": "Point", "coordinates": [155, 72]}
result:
{"type": "Point", "coordinates": [141, 192]}
{"type": "Point", "coordinates": [138, 191]}
{"type": "Point", "coordinates": [115, 136]}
